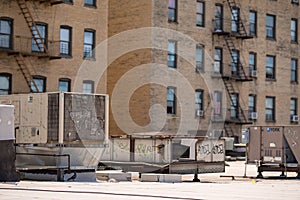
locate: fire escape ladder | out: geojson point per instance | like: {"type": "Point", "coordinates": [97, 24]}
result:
{"type": "Point", "coordinates": [241, 117]}
{"type": "Point", "coordinates": [228, 130]}
{"type": "Point", "coordinates": [241, 27]}
{"type": "Point", "coordinates": [25, 71]}
{"type": "Point", "coordinates": [36, 35]}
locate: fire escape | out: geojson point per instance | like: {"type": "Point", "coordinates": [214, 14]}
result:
{"type": "Point", "coordinates": [21, 50]}
{"type": "Point", "coordinates": [236, 115]}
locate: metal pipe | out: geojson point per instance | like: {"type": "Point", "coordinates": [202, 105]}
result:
{"type": "Point", "coordinates": [51, 155]}
{"type": "Point", "coordinates": [61, 118]}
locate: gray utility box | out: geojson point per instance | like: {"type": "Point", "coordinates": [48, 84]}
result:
{"type": "Point", "coordinates": [7, 149]}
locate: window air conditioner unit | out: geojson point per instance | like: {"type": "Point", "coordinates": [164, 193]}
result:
{"type": "Point", "coordinates": [253, 115]}
{"type": "Point", "coordinates": [253, 73]}
{"type": "Point", "coordinates": [295, 118]}
{"type": "Point", "coordinates": [199, 113]}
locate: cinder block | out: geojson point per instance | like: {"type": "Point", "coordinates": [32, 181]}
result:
{"type": "Point", "coordinates": [149, 177]}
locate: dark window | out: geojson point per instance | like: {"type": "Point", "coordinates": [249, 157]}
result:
{"type": "Point", "coordinates": [199, 58]}
{"type": "Point", "coordinates": [270, 67]}
{"type": "Point", "coordinates": [172, 13]}
{"type": "Point", "coordinates": [64, 85]}
{"type": "Point", "coordinates": [199, 99]}
{"type": "Point", "coordinates": [172, 58]}
{"type": "Point", "coordinates": [65, 40]}
{"type": "Point", "coordinates": [294, 30]}
{"type": "Point", "coordinates": [252, 62]}
{"type": "Point", "coordinates": [294, 70]}
{"type": "Point", "coordinates": [235, 62]}
{"type": "Point", "coordinates": [90, 2]}
{"type": "Point", "coordinates": [5, 83]}
{"type": "Point", "coordinates": [88, 87]}
{"type": "Point", "coordinates": [218, 60]}
{"type": "Point", "coordinates": [234, 98]}
{"type": "Point", "coordinates": [39, 41]}
{"type": "Point", "coordinates": [251, 105]}
{"type": "Point", "coordinates": [270, 108]}
{"type": "Point", "coordinates": [40, 83]}
{"type": "Point", "coordinates": [89, 44]}
{"type": "Point", "coordinates": [295, 2]}
{"type": "Point", "coordinates": [293, 108]}
{"type": "Point", "coordinates": [218, 22]}
{"type": "Point", "coordinates": [253, 22]}
{"type": "Point", "coordinates": [200, 20]}
{"type": "Point", "coordinates": [6, 33]}
{"type": "Point", "coordinates": [171, 100]}
{"type": "Point", "coordinates": [217, 103]}
{"type": "Point", "coordinates": [270, 26]}
{"type": "Point", "coordinates": [235, 20]}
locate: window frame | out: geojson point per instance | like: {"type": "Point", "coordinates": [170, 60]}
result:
{"type": "Point", "coordinates": [251, 107]}
{"type": "Point", "coordinates": [217, 109]}
{"type": "Point", "coordinates": [235, 63]}
{"type": "Point", "coordinates": [294, 110]}
{"type": "Point", "coordinates": [200, 63]}
{"type": "Point", "coordinates": [252, 65]}
{"type": "Point", "coordinates": [220, 61]}
{"type": "Point", "coordinates": [271, 67]}
{"type": "Point", "coordinates": [64, 80]}
{"type": "Point", "coordinates": [89, 55]}
{"type": "Point", "coordinates": [294, 71]}
{"type": "Point", "coordinates": [200, 14]}
{"type": "Point", "coordinates": [10, 35]}
{"type": "Point", "coordinates": [92, 83]}
{"type": "Point", "coordinates": [218, 18]}
{"type": "Point", "coordinates": [235, 22]}
{"type": "Point", "coordinates": [234, 106]}
{"type": "Point", "coordinates": [173, 101]}
{"type": "Point", "coordinates": [295, 39]}
{"type": "Point", "coordinates": [9, 89]}
{"type": "Point", "coordinates": [35, 78]}
{"type": "Point", "coordinates": [254, 24]}
{"type": "Point", "coordinates": [69, 43]}
{"type": "Point", "coordinates": [273, 27]}
{"type": "Point", "coordinates": [174, 9]}
{"type": "Point", "coordinates": [93, 4]}
{"type": "Point", "coordinates": [199, 95]}
{"type": "Point", "coordinates": [272, 109]}
{"type": "Point", "coordinates": [172, 54]}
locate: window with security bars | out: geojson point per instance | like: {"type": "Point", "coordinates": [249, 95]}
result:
{"type": "Point", "coordinates": [65, 40]}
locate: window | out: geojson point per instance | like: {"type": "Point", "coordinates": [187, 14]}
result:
{"type": "Point", "coordinates": [235, 62]}
{"type": "Point", "coordinates": [218, 22]}
{"type": "Point", "coordinates": [235, 20]}
{"type": "Point", "coordinates": [65, 40]}
{"type": "Point", "coordinates": [251, 105]}
{"type": "Point", "coordinates": [234, 105]}
{"type": "Point", "coordinates": [252, 62]}
{"type": "Point", "coordinates": [270, 67]}
{"type": "Point", "coordinates": [172, 12]}
{"type": "Point", "coordinates": [90, 2]}
{"type": "Point", "coordinates": [5, 83]}
{"type": "Point", "coordinates": [294, 70]}
{"type": "Point", "coordinates": [270, 108]}
{"type": "Point", "coordinates": [6, 27]}
{"type": "Point", "coordinates": [293, 108]}
{"type": "Point", "coordinates": [217, 103]}
{"type": "Point", "coordinates": [295, 2]}
{"type": "Point", "coordinates": [294, 30]}
{"type": "Point", "coordinates": [172, 49]}
{"type": "Point", "coordinates": [171, 100]}
{"type": "Point", "coordinates": [89, 43]}
{"type": "Point", "coordinates": [199, 58]}
{"type": "Point", "coordinates": [218, 60]}
{"type": "Point", "coordinates": [200, 20]}
{"type": "Point", "coordinates": [39, 42]}
{"type": "Point", "coordinates": [64, 85]}
{"type": "Point", "coordinates": [252, 21]}
{"type": "Point", "coordinates": [40, 83]}
{"type": "Point", "coordinates": [270, 26]}
{"type": "Point", "coordinates": [199, 99]}
{"type": "Point", "coordinates": [88, 87]}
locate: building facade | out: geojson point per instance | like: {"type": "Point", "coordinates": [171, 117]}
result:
{"type": "Point", "coordinates": [174, 66]}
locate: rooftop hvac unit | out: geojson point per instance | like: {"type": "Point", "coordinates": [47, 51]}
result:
{"type": "Point", "coordinates": [253, 115]}
{"type": "Point", "coordinates": [295, 118]}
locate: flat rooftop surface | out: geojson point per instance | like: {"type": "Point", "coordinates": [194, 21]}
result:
{"type": "Point", "coordinates": [210, 187]}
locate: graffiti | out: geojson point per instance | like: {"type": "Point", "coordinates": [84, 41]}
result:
{"type": "Point", "coordinates": [207, 149]}
{"type": "Point", "coordinates": [143, 149]}
{"type": "Point", "coordinates": [123, 145]}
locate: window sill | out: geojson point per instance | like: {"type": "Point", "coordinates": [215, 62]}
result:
{"type": "Point", "coordinates": [90, 6]}
{"type": "Point", "coordinates": [271, 80]}
{"type": "Point", "coordinates": [200, 26]}
{"type": "Point", "coordinates": [271, 39]}
{"type": "Point", "coordinates": [294, 82]}
{"type": "Point", "coordinates": [66, 56]}
{"type": "Point", "coordinates": [294, 42]}
{"type": "Point", "coordinates": [89, 58]}
{"type": "Point", "coordinates": [171, 116]}
{"type": "Point", "coordinates": [173, 22]}
{"type": "Point", "coordinates": [270, 121]}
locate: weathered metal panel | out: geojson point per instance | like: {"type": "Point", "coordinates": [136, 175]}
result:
{"type": "Point", "coordinates": [272, 144]}
{"type": "Point", "coordinates": [292, 136]}
{"type": "Point", "coordinates": [210, 150]}
{"type": "Point", "coordinates": [254, 148]}
{"type": "Point", "coordinates": [120, 149]}
{"type": "Point", "coordinates": [7, 122]}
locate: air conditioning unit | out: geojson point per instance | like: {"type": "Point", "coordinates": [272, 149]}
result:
{"type": "Point", "coordinates": [199, 113]}
{"type": "Point", "coordinates": [253, 115]}
{"type": "Point", "coordinates": [295, 118]}
{"type": "Point", "coordinates": [253, 73]}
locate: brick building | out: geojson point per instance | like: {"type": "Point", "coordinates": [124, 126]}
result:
{"type": "Point", "coordinates": [212, 65]}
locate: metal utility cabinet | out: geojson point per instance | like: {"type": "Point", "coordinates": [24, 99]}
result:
{"type": "Point", "coordinates": [275, 148]}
